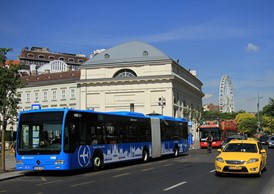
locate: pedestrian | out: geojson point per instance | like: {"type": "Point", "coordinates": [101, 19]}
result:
{"type": "Point", "coordinates": [13, 147]}
{"type": "Point", "coordinates": [209, 140]}
{"type": "Point", "coordinates": [190, 140]}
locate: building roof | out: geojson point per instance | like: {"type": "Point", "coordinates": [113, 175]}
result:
{"type": "Point", "coordinates": [12, 62]}
{"type": "Point", "coordinates": [49, 77]}
{"type": "Point", "coordinates": [127, 52]}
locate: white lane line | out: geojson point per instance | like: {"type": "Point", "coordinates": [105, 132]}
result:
{"type": "Point", "coordinates": [165, 165]}
{"type": "Point", "coordinates": [174, 186]}
{"type": "Point", "coordinates": [119, 175]}
{"type": "Point", "coordinates": [50, 182]}
{"type": "Point", "coordinates": [84, 183]}
{"type": "Point", "coordinates": [147, 169]}
{"type": "Point", "coordinates": [212, 171]}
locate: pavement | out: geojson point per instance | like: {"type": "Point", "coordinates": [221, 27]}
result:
{"type": "Point", "coordinates": [10, 172]}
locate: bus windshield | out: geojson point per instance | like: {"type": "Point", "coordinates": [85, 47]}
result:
{"type": "Point", "coordinates": [40, 133]}
{"type": "Point", "coordinates": [215, 132]}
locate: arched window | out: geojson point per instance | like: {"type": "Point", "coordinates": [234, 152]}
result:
{"type": "Point", "coordinates": [125, 73]}
{"type": "Point", "coordinates": [30, 55]}
{"type": "Point", "coordinates": [71, 60]}
{"type": "Point", "coordinates": [145, 53]}
{"type": "Point", "coordinates": [41, 56]}
{"type": "Point", "coordinates": [51, 57]}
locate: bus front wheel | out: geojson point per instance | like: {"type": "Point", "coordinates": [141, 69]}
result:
{"type": "Point", "coordinates": [97, 162]}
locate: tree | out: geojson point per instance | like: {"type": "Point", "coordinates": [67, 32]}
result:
{"type": "Point", "coordinates": [268, 114]}
{"type": "Point", "coordinates": [247, 123]}
{"type": "Point", "coordinates": [269, 108]}
{"type": "Point", "coordinates": [9, 83]}
{"type": "Point", "coordinates": [248, 126]}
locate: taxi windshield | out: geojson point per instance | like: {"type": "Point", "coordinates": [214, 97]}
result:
{"type": "Point", "coordinates": [241, 147]}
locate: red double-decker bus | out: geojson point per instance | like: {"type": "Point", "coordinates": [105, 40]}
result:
{"type": "Point", "coordinates": [212, 127]}
{"type": "Point", "coordinates": [228, 128]}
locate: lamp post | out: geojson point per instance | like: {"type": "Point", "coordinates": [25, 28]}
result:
{"type": "Point", "coordinates": [258, 113]}
{"type": "Point", "coordinates": [162, 103]}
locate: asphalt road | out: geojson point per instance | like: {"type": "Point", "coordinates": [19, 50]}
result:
{"type": "Point", "coordinates": [192, 173]}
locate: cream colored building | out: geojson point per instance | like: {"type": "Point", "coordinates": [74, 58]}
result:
{"type": "Point", "coordinates": [134, 73]}
{"type": "Point", "coordinates": [140, 74]}
{"type": "Point", "coordinates": [50, 90]}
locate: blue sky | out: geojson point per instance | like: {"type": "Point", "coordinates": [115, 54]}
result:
{"type": "Point", "coordinates": [213, 37]}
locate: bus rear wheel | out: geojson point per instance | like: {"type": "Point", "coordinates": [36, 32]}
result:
{"type": "Point", "coordinates": [97, 162]}
{"type": "Point", "coordinates": [176, 151]}
{"type": "Point", "coordinates": [145, 156]}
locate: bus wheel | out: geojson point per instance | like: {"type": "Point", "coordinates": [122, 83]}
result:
{"type": "Point", "coordinates": [176, 151]}
{"type": "Point", "coordinates": [97, 162]}
{"type": "Point", "coordinates": [145, 155]}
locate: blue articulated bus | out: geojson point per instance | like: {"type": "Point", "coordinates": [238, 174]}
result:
{"type": "Point", "coordinates": [70, 139]}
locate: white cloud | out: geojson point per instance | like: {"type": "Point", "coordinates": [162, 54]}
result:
{"type": "Point", "coordinates": [208, 96]}
{"type": "Point", "coordinates": [252, 48]}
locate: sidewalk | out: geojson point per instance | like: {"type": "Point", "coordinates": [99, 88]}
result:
{"type": "Point", "coordinates": [10, 167]}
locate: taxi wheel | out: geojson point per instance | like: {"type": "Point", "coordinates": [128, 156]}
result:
{"type": "Point", "coordinates": [218, 173]}
{"type": "Point", "coordinates": [259, 174]}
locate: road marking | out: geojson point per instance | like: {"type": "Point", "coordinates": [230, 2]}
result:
{"type": "Point", "coordinates": [84, 183]}
{"type": "Point", "coordinates": [212, 171]}
{"type": "Point", "coordinates": [50, 182]}
{"type": "Point", "coordinates": [174, 186]}
{"type": "Point", "coordinates": [147, 169]}
{"type": "Point", "coordinates": [3, 191]}
{"type": "Point", "coordinates": [119, 175]}
{"type": "Point", "coordinates": [122, 168]}
{"type": "Point", "coordinates": [165, 165]}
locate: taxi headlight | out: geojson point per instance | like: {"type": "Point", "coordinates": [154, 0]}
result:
{"type": "Point", "coordinates": [219, 159]}
{"type": "Point", "coordinates": [252, 160]}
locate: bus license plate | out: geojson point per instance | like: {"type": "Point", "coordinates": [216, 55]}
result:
{"type": "Point", "coordinates": [235, 168]}
{"type": "Point", "coordinates": [38, 168]}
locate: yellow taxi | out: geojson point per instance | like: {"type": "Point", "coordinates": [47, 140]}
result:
{"type": "Point", "coordinates": [241, 157]}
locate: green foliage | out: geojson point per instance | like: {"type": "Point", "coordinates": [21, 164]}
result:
{"type": "Point", "coordinates": [248, 126]}
{"type": "Point", "coordinates": [269, 108]}
{"type": "Point", "coordinates": [9, 97]}
{"type": "Point", "coordinates": [211, 115]}
{"type": "Point", "coordinates": [245, 115]}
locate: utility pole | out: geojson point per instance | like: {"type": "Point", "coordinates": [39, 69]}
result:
{"type": "Point", "coordinates": [258, 113]}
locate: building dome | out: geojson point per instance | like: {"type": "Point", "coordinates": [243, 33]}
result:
{"type": "Point", "coordinates": [127, 52]}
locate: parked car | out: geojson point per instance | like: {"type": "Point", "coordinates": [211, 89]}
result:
{"type": "Point", "coordinates": [263, 139]}
{"type": "Point", "coordinates": [241, 157]}
{"type": "Point", "coordinates": [270, 142]}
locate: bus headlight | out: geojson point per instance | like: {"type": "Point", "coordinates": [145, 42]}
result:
{"type": "Point", "coordinates": [19, 162]}
{"type": "Point", "coordinates": [59, 162]}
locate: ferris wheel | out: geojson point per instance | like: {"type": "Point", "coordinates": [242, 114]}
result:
{"type": "Point", "coordinates": [226, 98]}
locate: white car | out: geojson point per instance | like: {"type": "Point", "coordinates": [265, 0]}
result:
{"type": "Point", "coordinates": [270, 142]}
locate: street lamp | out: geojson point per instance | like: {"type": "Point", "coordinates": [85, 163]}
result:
{"type": "Point", "coordinates": [258, 113]}
{"type": "Point", "coordinates": [162, 103]}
